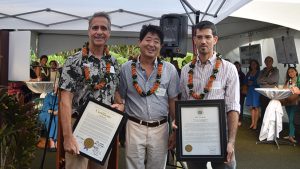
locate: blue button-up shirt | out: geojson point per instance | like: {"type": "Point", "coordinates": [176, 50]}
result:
{"type": "Point", "coordinates": [155, 106]}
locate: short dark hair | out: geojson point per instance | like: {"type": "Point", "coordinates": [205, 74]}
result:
{"type": "Point", "coordinates": [54, 61]}
{"type": "Point", "coordinates": [44, 56]}
{"type": "Point", "coordinates": [101, 14]}
{"type": "Point", "coordinates": [152, 29]}
{"type": "Point", "coordinates": [206, 25]}
{"type": "Point", "coordinates": [269, 57]}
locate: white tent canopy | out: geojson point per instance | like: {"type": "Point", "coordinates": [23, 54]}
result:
{"type": "Point", "coordinates": [281, 12]}
{"type": "Point", "coordinates": [62, 24]}
{"type": "Point", "coordinates": [126, 15]}
{"type": "Point", "coordinates": [59, 25]}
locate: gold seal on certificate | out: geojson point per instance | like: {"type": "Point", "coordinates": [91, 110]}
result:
{"type": "Point", "coordinates": [88, 143]}
{"type": "Point", "coordinates": [188, 148]}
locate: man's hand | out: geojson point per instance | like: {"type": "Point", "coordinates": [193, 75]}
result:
{"type": "Point", "coordinates": [230, 152]}
{"type": "Point", "coordinates": [118, 106]}
{"type": "Point", "coordinates": [70, 145]}
{"type": "Point", "coordinates": [174, 126]}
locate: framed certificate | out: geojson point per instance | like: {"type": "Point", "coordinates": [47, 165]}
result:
{"type": "Point", "coordinates": [201, 133]}
{"type": "Point", "coordinates": [96, 130]}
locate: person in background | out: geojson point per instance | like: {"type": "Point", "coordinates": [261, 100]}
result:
{"type": "Point", "coordinates": [149, 87]}
{"type": "Point", "coordinates": [33, 66]}
{"type": "Point", "coordinates": [210, 77]}
{"type": "Point", "coordinates": [50, 106]}
{"type": "Point", "coordinates": [253, 97]}
{"type": "Point", "coordinates": [42, 71]}
{"type": "Point", "coordinates": [268, 78]}
{"type": "Point", "coordinates": [54, 73]}
{"type": "Point", "coordinates": [291, 105]}
{"type": "Point", "coordinates": [91, 73]}
{"type": "Point", "coordinates": [296, 90]}
{"type": "Point", "coordinates": [242, 96]}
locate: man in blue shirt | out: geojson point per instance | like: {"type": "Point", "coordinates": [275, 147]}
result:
{"type": "Point", "coordinates": [149, 87]}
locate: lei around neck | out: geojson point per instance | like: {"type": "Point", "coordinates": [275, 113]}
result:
{"type": "Point", "coordinates": [211, 79]}
{"type": "Point", "coordinates": [103, 81]}
{"type": "Point", "coordinates": [155, 85]}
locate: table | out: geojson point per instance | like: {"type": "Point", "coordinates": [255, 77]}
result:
{"type": "Point", "coordinates": [272, 122]}
{"type": "Point", "coordinates": [42, 87]}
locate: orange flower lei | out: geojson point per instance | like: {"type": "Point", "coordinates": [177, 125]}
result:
{"type": "Point", "coordinates": [107, 58]}
{"type": "Point", "coordinates": [156, 84]}
{"type": "Point", "coordinates": [211, 79]}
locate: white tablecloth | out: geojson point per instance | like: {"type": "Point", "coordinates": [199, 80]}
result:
{"type": "Point", "coordinates": [272, 121]}
{"type": "Point", "coordinates": [40, 87]}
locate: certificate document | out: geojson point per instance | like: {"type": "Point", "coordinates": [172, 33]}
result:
{"type": "Point", "coordinates": [201, 133]}
{"type": "Point", "coordinates": [96, 129]}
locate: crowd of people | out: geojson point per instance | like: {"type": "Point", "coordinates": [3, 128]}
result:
{"type": "Point", "coordinates": [146, 88]}
{"type": "Point", "coordinates": [41, 71]}
{"type": "Point", "coordinates": [257, 103]}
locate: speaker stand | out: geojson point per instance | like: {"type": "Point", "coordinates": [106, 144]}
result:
{"type": "Point", "coordinates": [173, 155]}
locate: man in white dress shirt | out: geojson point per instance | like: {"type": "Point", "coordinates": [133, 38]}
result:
{"type": "Point", "coordinates": [197, 82]}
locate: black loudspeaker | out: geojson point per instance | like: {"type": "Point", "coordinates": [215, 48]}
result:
{"type": "Point", "coordinates": [175, 29]}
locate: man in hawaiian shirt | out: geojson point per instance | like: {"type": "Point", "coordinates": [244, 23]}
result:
{"type": "Point", "coordinates": [90, 73]}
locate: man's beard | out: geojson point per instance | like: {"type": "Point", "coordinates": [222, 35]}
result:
{"type": "Point", "coordinates": [203, 50]}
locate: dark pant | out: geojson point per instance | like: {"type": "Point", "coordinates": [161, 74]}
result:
{"type": "Point", "coordinates": [297, 125]}
{"type": "Point", "coordinates": [242, 101]}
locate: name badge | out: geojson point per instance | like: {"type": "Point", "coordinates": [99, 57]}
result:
{"type": "Point", "coordinates": [216, 85]}
{"type": "Point", "coordinates": [87, 64]}
{"type": "Point", "coordinates": [112, 69]}
{"type": "Point", "coordinates": [160, 92]}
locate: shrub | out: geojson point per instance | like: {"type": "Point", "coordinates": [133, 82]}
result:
{"type": "Point", "coordinates": [18, 132]}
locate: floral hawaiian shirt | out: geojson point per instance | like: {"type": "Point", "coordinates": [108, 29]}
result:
{"type": "Point", "coordinates": [73, 79]}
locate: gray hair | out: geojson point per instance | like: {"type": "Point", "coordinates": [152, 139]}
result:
{"type": "Point", "coordinates": [101, 14]}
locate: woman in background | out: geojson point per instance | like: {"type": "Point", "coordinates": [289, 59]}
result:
{"type": "Point", "coordinates": [42, 71]}
{"type": "Point", "coordinates": [252, 98]}
{"type": "Point", "coordinates": [54, 74]}
{"type": "Point", "coordinates": [291, 102]}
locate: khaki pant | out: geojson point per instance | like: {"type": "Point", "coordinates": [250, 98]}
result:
{"type": "Point", "coordinates": [146, 147]}
{"type": "Point", "coordinates": [80, 162]}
